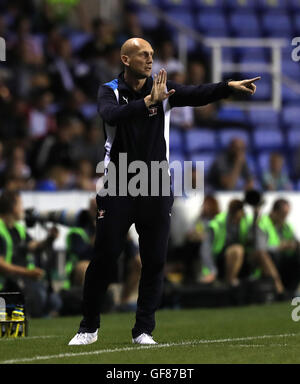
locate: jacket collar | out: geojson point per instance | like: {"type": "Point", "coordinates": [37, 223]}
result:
{"type": "Point", "coordinates": [124, 86]}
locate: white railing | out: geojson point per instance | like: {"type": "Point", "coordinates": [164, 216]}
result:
{"type": "Point", "coordinates": [219, 66]}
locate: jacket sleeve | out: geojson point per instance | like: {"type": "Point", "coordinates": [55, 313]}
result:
{"type": "Point", "coordinates": [197, 95]}
{"type": "Point", "coordinates": [112, 112]}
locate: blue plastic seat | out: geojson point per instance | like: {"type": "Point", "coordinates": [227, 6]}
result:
{"type": "Point", "coordinates": [290, 115]}
{"type": "Point", "coordinates": [241, 5]}
{"type": "Point", "coordinates": [184, 17]}
{"type": "Point", "coordinates": [268, 139]}
{"type": "Point", "coordinates": [263, 117]}
{"type": "Point", "coordinates": [263, 91]}
{"type": "Point", "coordinates": [226, 135]}
{"type": "Point", "coordinates": [232, 114]}
{"type": "Point", "coordinates": [245, 24]}
{"type": "Point", "coordinates": [251, 54]}
{"type": "Point", "coordinates": [289, 95]}
{"type": "Point", "coordinates": [147, 20]}
{"type": "Point", "coordinates": [273, 4]}
{"type": "Point", "coordinates": [176, 4]}
{"type": "Point", "coordinates": [277, 24]}
{"type": "Point", "coordinates": [175, 140]}
{"type": "Point", "coordinates": [296, 19]}
{"type": "Point", "coordinates": [209, 4]}
{"type": "Point", "coordinates": [212, 23]}
{"type": "Point", "coordinates": [291, 68]}
{"type": "Point", "coordinates": [293, 136]}
{"type": "Point", "coordinates": [202, 139]}
{"type": "Point", "coordinates": [294, 5]}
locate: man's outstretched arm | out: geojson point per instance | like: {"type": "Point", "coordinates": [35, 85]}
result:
{"type": "Point", "coordinates": [195, 96]}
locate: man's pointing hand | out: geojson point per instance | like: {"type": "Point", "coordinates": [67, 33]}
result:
{"type": "Point", "coordinates": [244, 86]}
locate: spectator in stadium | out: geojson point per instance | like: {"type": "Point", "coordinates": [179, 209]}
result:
{"type": "Point", "coordinates": [103, 36]}
{"type": "Point", "coordinates": [55, 150]}
{"type": "Point", "coordinates": [276, 179]}
{"type": "Point", "coordinates": [107, 66]}
{"type": "Point", "coordinates": [166, 58]}
{"type": "Point", "coordinates": [282, 244]}
{"type": "Point", "coordinates": [196, 73]}
{"type": "Point", "coordinates": [40, 121]}
{"type": "Point", "coordinates": [131, 27]}
{"type": "Point", "coordinates": [17, 263]}
{"type": "Point", "coordinates": [84, 177]}
{"type": "Point", "coordinates": [68, 72]}
{"type": "Point", "coordinates": [229, 170]}
{"type": "Point", "coordinates": [182, 118]}
{"type": "Point", "coordinates": [227, 244]}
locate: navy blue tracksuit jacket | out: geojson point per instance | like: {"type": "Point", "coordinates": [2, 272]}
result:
{"type": "Point", "coordinates": [143, 134]}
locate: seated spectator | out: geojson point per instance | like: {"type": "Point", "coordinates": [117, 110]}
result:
{"type": "Point", "coordinates": [40, 121]}
{"type": "Point", "coordinates": [282, 244]}
{"type": "Point", "coordinates": [196, 73]}
{"type": "Point", "coordinates": [229, 171]}
{"type": "Point", "coordinates": [276, 179]}
{"type": "Point", "coordinates": [84, 177]}
{"type": "Point", "coordinates": [166, 59]}
{"type": "Point", "coordinates": [183, 117]}
{"type": "Point", "coordinates": [56, 178]}
{"type": "Point", "coordinates": [103, 35]}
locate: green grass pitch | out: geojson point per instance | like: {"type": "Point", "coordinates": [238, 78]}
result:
{"type": "Point", "coordinates": [252, 334]}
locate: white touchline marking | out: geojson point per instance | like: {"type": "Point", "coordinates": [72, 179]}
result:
{"type": "Point", "coordinates": [126, 349]}
{"type": "Point", "coordinates": [2, 339]}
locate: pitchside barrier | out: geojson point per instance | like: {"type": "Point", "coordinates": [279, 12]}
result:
{"type": "Point", "coordinates": [184, 213]}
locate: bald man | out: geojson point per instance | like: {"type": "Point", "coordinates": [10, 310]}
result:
{"type": "Point", "coordinates": [135, 109]}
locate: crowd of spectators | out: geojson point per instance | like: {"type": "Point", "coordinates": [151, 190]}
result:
{"type": "Point", "coordinates": [51, 136]}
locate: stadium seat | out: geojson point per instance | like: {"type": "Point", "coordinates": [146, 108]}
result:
{"type": "Point", "coordinates": [241, 5]}
{"type": "Point", "coordinates": [263, 117]}
{"type": "Point", "coordinates": [268, 139]}
{"type": "Point", "coordinates": [263, 91]}
{"type": "Point", "coordinates": [182, 17]}
{"type": "Point", "coordinates": [175, 139]}
{"type": "Point", "coordinates": [209, 4]}
{"type": "Point", "coordinates": [296, 19]}
{"type": "Point", "coordinates": [212, 23]}
{"type": "Point", "coordinates": [290, 115]}
{"type": "Point", "coordinates": [147, 20]}
{"type": "Point", "coordinates": [277, 24]}
{"type": "Point", "coordinates": [294, 5]}
{"type": "Point", "coordinates": [245, 24]}
{"type": "Point", "coordinates": [272, 4]}
{"type": "Point", "coordinates": [289, 95]}
{"type": "Point", "coordinates": [232, 114]}
{"type": "Point", "coordinates": [202, 139]}
{"type": "Point", "coordinates": [293, 136]}
{"type": "Point", "coordinates": [251, 54]}
{"type": "Point", "coordinates": [176, 4]}
{"type": "Point", "coordinates": [291, 68]}
{"type": "Point", "coordinates": [227, 134]}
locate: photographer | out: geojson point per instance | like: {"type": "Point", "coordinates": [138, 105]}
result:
{"type": "Point", "coordinates": [18, 271]}
{"type": "Point", "coordinates": [282, 245]}
{"type": "Point", "coordinates": [79, 250]}
{"type": "Point", "coordinates": [234, 243]}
